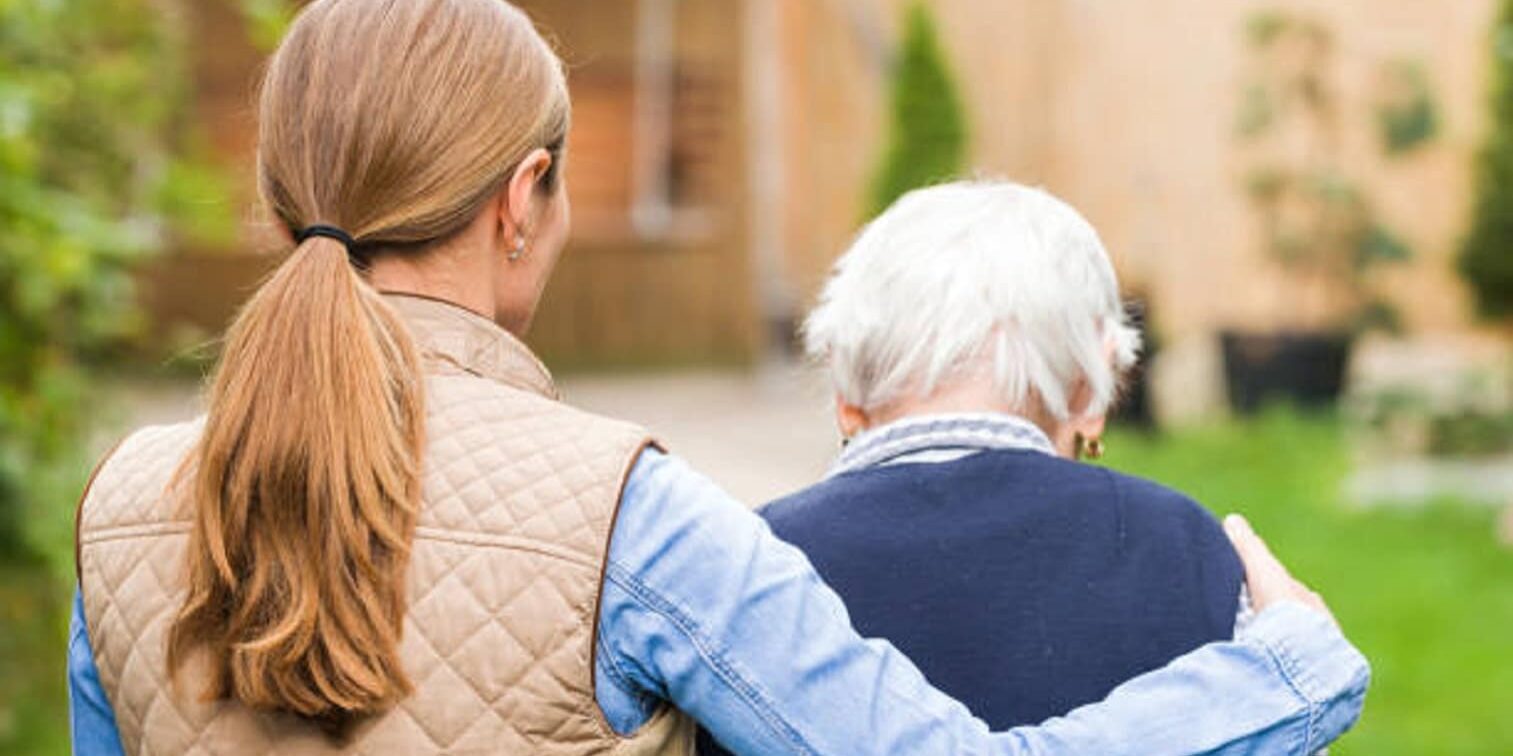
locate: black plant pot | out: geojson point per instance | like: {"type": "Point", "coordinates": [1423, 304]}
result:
{"type": "Point", "coordinates": [1300, 367]}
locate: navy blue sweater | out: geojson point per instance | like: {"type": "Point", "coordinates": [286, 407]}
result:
{"type": "Point", "coordinates": [1022, 584]}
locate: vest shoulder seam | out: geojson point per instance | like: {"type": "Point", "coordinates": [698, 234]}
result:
{"type": "Point", "coordinates": [430, 533]}
{"type": "Point", "coordinates": [135, 530]}
{"type": "Point", "coordinates": [502, 541]}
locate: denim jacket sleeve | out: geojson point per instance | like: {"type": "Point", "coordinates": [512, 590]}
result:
{"type": "Point", "coordinates": [92, 723]}
{"type": "Point", "coordinates": [704, 608]}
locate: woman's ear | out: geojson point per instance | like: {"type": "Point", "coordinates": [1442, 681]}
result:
{"type": "Point", "coordinates": [1082, 427]}
{"type": "Point", "coordinates": [521, 193]}
{"type": "Point", "coordinates": [850, 418]}
{"type": "Point", "coordinates": [1090, 426]}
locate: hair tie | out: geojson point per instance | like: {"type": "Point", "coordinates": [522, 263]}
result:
{"type": "Point", "coordinates": [330, 232]}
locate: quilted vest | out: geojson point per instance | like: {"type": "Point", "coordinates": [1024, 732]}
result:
{"type": "Point", "coordinates": [520, 495]}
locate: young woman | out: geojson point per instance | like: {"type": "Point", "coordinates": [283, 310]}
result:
{"type": "Point", "coordinates": [387, 535]}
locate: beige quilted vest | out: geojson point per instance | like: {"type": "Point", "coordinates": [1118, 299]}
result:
{"type": "Point", "coordinates": [520, 496]}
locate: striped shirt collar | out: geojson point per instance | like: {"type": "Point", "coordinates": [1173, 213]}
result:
{"type": "Point", "coordinates": [940, 438]}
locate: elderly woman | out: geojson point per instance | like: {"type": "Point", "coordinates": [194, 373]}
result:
{"type": "Point", "coordinates": [958, 522]}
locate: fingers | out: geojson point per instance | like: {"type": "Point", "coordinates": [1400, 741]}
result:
{"type": "Point", "coordinates": [1263, 572]}
{"type": "Point", "coordinates": [1310, 597]}
{"type": "Point", "coordinates": [1268, 579]}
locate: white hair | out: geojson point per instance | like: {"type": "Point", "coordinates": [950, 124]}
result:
{"type": "Point", "coordinates": [971, 276]}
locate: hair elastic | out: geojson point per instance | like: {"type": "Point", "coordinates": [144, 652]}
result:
{"type": "Point", "coordinates": [330, 232]}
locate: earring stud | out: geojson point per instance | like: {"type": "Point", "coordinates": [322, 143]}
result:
{"type": "Point", "coordinates": [1088, 448]}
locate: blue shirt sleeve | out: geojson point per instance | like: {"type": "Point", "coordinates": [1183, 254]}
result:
{"type": "Point", "coordinates": [704, 608]}
{"type": "Point", "coordinates": [92, 723]}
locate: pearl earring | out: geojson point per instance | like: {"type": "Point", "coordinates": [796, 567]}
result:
{"type": "Point", "coordinates": [519, 250]}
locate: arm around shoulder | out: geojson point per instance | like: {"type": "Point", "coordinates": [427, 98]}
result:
{"type": "Point", "coordinates": [730, 624]}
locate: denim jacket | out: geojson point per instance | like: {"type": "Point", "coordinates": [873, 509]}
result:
{"type": "Point", "coordinates": [704, 608]}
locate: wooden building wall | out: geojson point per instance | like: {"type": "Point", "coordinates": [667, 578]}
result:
{"type": "Point", "coordinates": [620, 295]}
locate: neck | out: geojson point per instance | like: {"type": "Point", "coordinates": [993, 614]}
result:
{"type": "Point", "coordinates": [438, 275]}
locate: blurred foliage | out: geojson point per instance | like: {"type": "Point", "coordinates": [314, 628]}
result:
{"type": "Point", "coordinates": [1487, 258]}
{"type": "Point", "coordinates": [98, 171]}
{"type": "Point", "coordinates": [1469, 416]}
{"type": "Point", "coordinates": [1422, 591]}
{"type": "Point", "coordinates": [1264, 27]}
{"type": "Point", "coordinates": [1470, 434]}
{"type": "Point", "coordinates": [927, 136]}
{"type": "Point", "coordinates": [1407, 116]}
{"type": "Point", "coordinates": [94, 133]}
{"type": "Point", "coordinates": [33, 693]}
{"type": "Point", "coordinates": [267, 20]}
{"type": "Point", "coordinates": [1319, 224]}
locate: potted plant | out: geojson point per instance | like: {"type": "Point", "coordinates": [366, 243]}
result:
{"type": "Point", "coordinates": [1317, 223]}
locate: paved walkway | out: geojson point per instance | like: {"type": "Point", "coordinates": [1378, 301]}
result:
{"type": "Point", "coordinates": [760, 434]}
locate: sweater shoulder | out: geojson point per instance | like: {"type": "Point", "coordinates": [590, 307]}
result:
{"type": "Point", "coordinates": [1163, 504]}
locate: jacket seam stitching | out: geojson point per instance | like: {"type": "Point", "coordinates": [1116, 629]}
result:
{"type": "Point", "coordinates": [1284, 663]}
{"type": "Point", "coordinates": [613, 670]}
{"type": "Point", "coordinates": [708, 650]}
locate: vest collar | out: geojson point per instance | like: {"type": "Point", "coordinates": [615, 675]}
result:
{"type": "Point", "coordinates": [458, 337]}
{"type": "Point", "coordinates": [940, 438]}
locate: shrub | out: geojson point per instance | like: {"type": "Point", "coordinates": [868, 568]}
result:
{"type": "Point", "coordinates": [94, 127]}
{"type": "Point", "coordinates": [1487, 258]}
{"type": "Point", "coordinates": [93, 124]}
{"type": "Point", "coordinates": [927, 137]}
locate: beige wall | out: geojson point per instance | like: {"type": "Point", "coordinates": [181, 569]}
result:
{"type": "Point", "coordinates": [618, 297]}
{"type": "Point", "coordinates": [1124, 107]}
{"type": "Point", "coordinates": [1145, 145]}
{"type": "Point", "coordinates": [1127, 110]}
{"type": "Point", "coordinates": [837, 86]}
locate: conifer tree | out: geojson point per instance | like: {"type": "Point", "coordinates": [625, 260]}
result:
{"type": "Point", "coordinates": [1487, 258]}
{"type": "Point", "coordinates": [927, 135]}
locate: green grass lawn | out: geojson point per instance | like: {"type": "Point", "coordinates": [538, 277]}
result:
{"type": "Point", "coordinates": [1426, 594]}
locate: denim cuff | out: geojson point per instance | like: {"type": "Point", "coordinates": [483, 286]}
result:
{"type": "Point", "coordinates": [1329, 673]}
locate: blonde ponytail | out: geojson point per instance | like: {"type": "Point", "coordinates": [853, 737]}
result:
{"type": "Point", "coordinates": [307, 490]}
{"type": "Point", "coordinates": [393, 120]}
